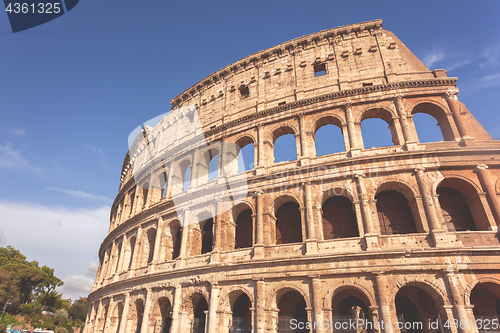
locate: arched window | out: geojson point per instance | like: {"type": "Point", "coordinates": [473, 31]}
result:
{"type": "Point", "coordinates": [291, 306]}
{"type": "Point", "coordinates": [212, 162]}
{"type": "Point", "coordinates": [131, 251]}
{"type": "Point", "coordinates": [145, 191]}
{"type": "Point", "coordinates": [427, 128]}
{"type": "Point", "coordinates": [485, 297]}
{"type": "Point", "coordinates": [285, 145]}
{"type": "Point", "coordinates": [176, 234]}
{"type": "Point", "coordinates": [375, 133]}
{"type": "Point", "coordinates": [329, 140]}
{"type": "Point", "coordinates": [151, 244]}
{"type": "Point", "coordinates": [163, 184]}
{"type": "Point", "coordinates": [207, 236]}
{"type": "Point", "coordinates": [394, 213]}
{"type": "Point", "coordinates": [339, 219]}
{"type": "Point", "coordinates": [242, 317]}
{"type": "Point", "coordinates": [186, 178]}
{"type": "Point", "coordinates": [246, 158]}
{"type": "Point", "coordinates": [244, 230]}
{"type": "Point", "coordinates": [288, 224]}
{"type": "Point", "coordinates": [456, 212]}
{"type": "Point", "coordinates": [199, 316]}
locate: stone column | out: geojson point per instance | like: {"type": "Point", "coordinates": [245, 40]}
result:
{"type": "Point", "coordinates": [489, 185]}
{"type": "Point", "coordinates": [304, 151]}
{"type": "Point", "coordinates": [317, 296]}
{"type": "Point", "coordinates": [119, 264]}
{"type": "Point", "coordinates": [126, 309]}
{"type": "Point", "coordinates": [125, 245]}
{"type": "Point", "coordinates": [259, 225]}
{"type": "Point", "coordinates": [147, 311]}
{"type": "Point", "coordinates": [311, 241]}
{"type": "Point", "coordinates": [260, 146]}
{"type": "Point", "coordinates": [137, 250]}
{"type": "Point", "coordinates": [460, 120]}
{"type": "Point", "coordinates": [108, 317]}
{"type": "Point", "coordinates": [457, 300]}
{"type": "Point", "coordinates": [175, 327]}
{"type": "Point", "coordinates": [185, 221]}
{"type": "Point", "coordinates": [105, 266]}
{"type": "Point", "coordinates": [385, 307]}
{"type": "Point", "coordinates": [97, 321]}
{"type": "Point", "coordinates": [370, 235]}
{"type": "Point", "coordinates": [259, 307]}
{"type": "Point", "coordinates": [212, 308]}
{"type": "Point", "coordinates": [407, 134]}
{"type": "Point", "coordinates": [353, 137]}
{"type": "Point", "coordinates": [430, 211]}
{"type": "Point", "coordinates": [157, 249]}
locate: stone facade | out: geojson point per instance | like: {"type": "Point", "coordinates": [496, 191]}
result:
{"type": "Point", "coordinates": [400, 234]}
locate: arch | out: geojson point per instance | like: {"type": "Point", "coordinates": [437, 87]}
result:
{"type": "Point", "coordinates": [470, 192]}
{"type": "Point", "coordinates": [456, 212]}
{"type": "Point", "coordinates": [241, 313]}
{"type": "Point", "coordinates": [185, 174]}
{"type": "Point", "coordinates": [136, 316]}
{"type": "Point", "coordinates": [176, 237]}
{"type": "Point", "coordinates": [163, 181]}
{"type": "Point", "coordinates": [438, 112]}
{"type": "Point", "coordinates": [291, 305]}
{"type": "Point", "coordinates": [116, 317]}
{"type": "Point", "coordinates": [161, 315]}
{"type": "Point", "coordinates": [333, 191]}
{"type": "Point", "coordinates": [245, 147]}
{"type": "Point", "coordinates": [349, 303]}
{"type": "Point", "coordinates": [244, 229]}
{"type": "Point", "coordinates": [394, 213]}
{"type": "Point", "coordinates": [280, 290]}
{"type": "Point", "coordinates": [131, 251]}
{"type": "Point", "coordinates": [151, 239]}
{"type": "Point", "coordinates": [429, 286]}
{"type": "Point", "coordinates": [327, 301]}
{"type": "Point", "coordinates": [400, 186]}
{"type": "Point", "coordinates": [285, 153]}
{"type": "Point", "coordinates": [211, 165]}
{"type": "Point", "coordinates": [326, 141]}
{"type": "Point", "coordinates": [384, 114]}
{"type": "Point", "coordinates": [288, 223]}
{"type": "Point", "coordinates": [338, 218]}
{"type": "Point", "coordinates": [482, 279]}
{"type": "Point", "coordinates": [286, 197]}
{"type": "Point", "coordinates": [200, 306]}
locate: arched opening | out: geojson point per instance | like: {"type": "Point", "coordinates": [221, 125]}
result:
{"type": "Point", "coordinates": [116, 320]}
{"type": "Point", "coordinates": [394, 213]}
{"type": "Point", "coordinates": [118, 251]}
{"type": "Point", "coordinates": [291, 306]}
{"type": "Point", "coordinates": [486, 300]}
{"type": "Point", "coordinates": [151, 244]}
{"type": "Point", "coordinates": [161, 317]}
{"type": "Point", "coordinates": [242, 316]}
{"type": "Point", "coordinates": [285, 145]}
{"type": "Point", "coordinates": [145, 191]}
{"type": "Point", "coordinates": [416, 309]}
{"type": "Point", "coordinates": [137, 316]}
{"type": "Point", "coordinates": [350, 305]}
{"type": "Point", "coordinates": [377, 128]}
{"type": "Point", "coordinates": [104, 316]}
{"type": "Point", "coordinates": [207, 236]}
{"type": "Point", "coordinates": [199, 312]}
{"type": "Point", "coordinates": [328, 137]}
{"type": "Point", "coordinates": [246, 154]}
{"type": "Point", "coordinates": [288, 224]}
{"type": "Point", "coordinates": [176, 236]}
{"type": "Point", "coordinates": [244, 230]}
{"type": "Point", "coordinates": [212, 162]}
{"type": "Point", "coordinates": [426, 129]}
{"type": "Point", "coordinates": [456, 212]}
{"type": "Point", "coordinates": [186, 178]}
{"type": "Point", "coordinates": [339, 219]}
{"type": "Point", "coordinates": [163, 183]}
{"type": "Point", "coordinates": [131, 251]}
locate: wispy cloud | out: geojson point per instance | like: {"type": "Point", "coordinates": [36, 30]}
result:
{"type": "Point", "coordinates": [459, 64]}
{"type": "Point", "coordinates": [17, 131]}
{"type": "Point", "coordinates": [61, 238]}
{"type": "Point", "coordinates": [11, 158]}
{"type": "Point", "coordinates": [490, 57]}
{"type": "Point", "coordinates": [79, 194]}
{"type": "Point", "coordinates": [433, 57]}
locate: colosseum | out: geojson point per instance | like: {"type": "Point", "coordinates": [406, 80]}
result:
{"type": "Point", "coordinates": [400, 238]}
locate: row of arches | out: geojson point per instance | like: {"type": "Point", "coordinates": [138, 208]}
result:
{"type": "Point", "coordinates": [327, 134]}
{"type": "Point", "coordinates": [397, 209]}
{"type": "Point", "coordinates": [416, 307]}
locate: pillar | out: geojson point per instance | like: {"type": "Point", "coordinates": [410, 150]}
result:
{"type": "Point", "coordinates": [407, 134]}
{"type": "Point", "coordinates": [489, 186]}
{"type": "Point", "coordinates": [126, 309]}
{"type": "Point", "coordinates": [212, 308]}
{"type": "Point", "coordinates": [385, 306]}
{"type": "Point", "coordinates": [185, 221]}
{"type": "Point", "coordinates": [317, 296]}
{"type": "Point", "coordinates": [119, 264]}
{"type": "Point", "coordinates": [370, 235]}
{"type": "Point", "coordinates": [309, 211]}
{"type": "Point", "coordinates": [147, 311]}
{"type": "Point", "coordinates": [137, 249]}
{"type": "Point", "coordinates": [304, 149]}
{"type": "Point", "coordinates": [260, 146]}
{"type": "Point", "coordinates": [457, 300]}
{"type": "Point", "coordinates": [176, 308]}
{"type": "Point", "coordinates": [430, 211]}
{"type": "Point", "coordinates": [353, 139]}
{"type": "Point", "coordinates": [462, 123]}
{"type": "Point", "coordinates": [259, 307]}
{"type": "Point", "coordinates": [108, 317]}
{"type": "Point", "coordinates": [157, 249]}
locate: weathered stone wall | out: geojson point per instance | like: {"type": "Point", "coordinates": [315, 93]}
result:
{"type": "Point", "coordinates": [154, 275]}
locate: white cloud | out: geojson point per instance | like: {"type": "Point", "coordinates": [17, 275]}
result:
{"type": "Point", "coordinates": [490, 57]}
{"type": "Point", "coordinates": [76, 286]}
{"type": "Point", "coordinates": [79, 194]}
{"type": "Point", "coordinates": [18, 131]}
{"type": "Point", "coordinates": [432, 58]}
{"type": "Point", "coordinates": [64, 239]}
{"type": "Point", "coordinates": [13, 159]}
{"type": "Point", "coordinates": [458, 64]}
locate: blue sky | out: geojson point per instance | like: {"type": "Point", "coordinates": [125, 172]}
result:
{"type": "Point", "coordinates": [73, 89]}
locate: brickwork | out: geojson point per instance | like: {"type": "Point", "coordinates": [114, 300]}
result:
{"type": "Point", "coordinates": [413, 258]}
